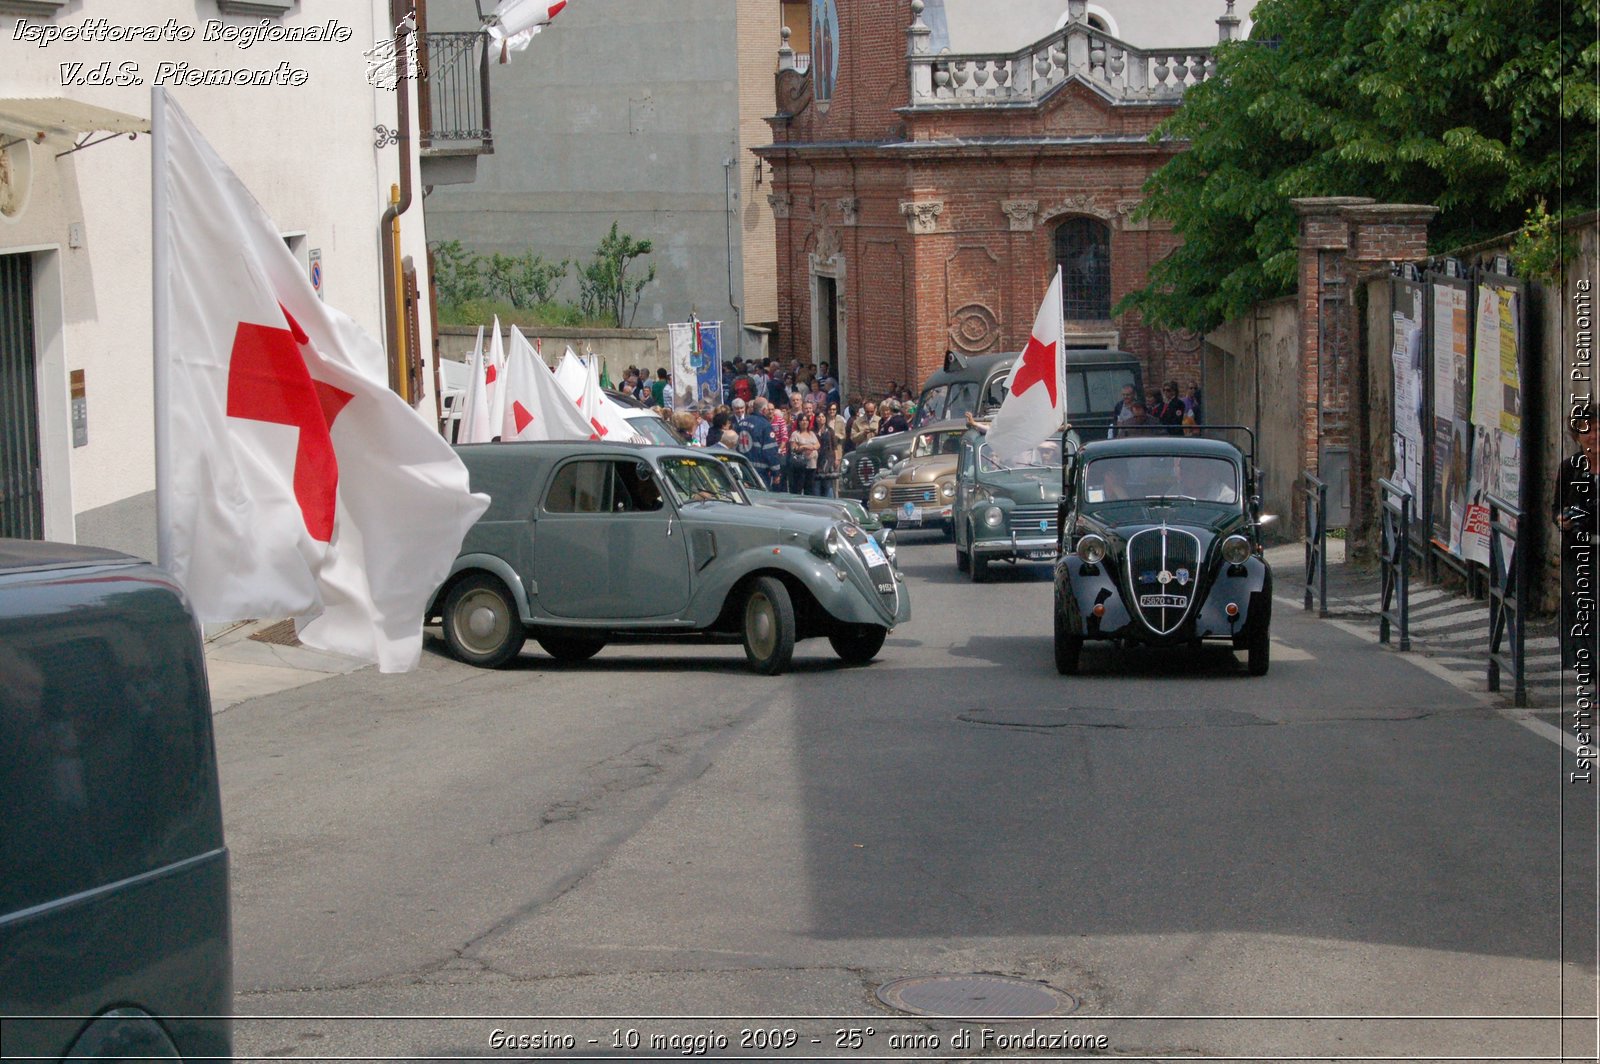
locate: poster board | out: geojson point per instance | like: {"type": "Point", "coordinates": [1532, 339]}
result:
{"type": "Point", "coordinates": [1411, 452]}
{"type": "Point", "coordinates": [1449, 383]}
{"type": "Point", "coordinates": [1496, 464]}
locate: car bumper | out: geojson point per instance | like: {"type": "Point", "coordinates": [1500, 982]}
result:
{"type": "Point", "coordinates": [1017, 548]}
{"type": "Point", "coordinates": [928, 517]}
{"type": "Point", "coordinates": [1081, 592]}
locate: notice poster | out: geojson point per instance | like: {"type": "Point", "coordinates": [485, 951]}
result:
{"type": "Point", "coordinates": [696, 364]}
{"type": "Point", "coordinates": [1496, 415]}
{"type": "Point", "coordinates": [1406, 356]}
{"type": "Point", "coordinates": [1452, 426]}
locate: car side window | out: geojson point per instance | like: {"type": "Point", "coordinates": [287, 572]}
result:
{"type": "Point", "coordinates": [581, 488]}
{"type": "Point", "coordinates": [637, 490]}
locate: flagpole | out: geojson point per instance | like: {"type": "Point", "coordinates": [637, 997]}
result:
{"type": "Point", "coordinates": [161, 291]}
{"type": "Point", "coordinates": [1061, 356]}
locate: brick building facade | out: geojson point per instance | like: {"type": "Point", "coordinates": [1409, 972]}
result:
{"type": "Point", "coordinates": [923, 200]}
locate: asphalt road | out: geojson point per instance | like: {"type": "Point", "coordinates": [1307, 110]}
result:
{"type": "Point", "coordinates": [1348, 857]}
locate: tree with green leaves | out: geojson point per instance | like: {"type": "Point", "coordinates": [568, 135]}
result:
{"type": "Point", "coordinates": [1482, 108]}
{"type": "Point", "coordinates": [604, 287]}
{"type": "Point", "coordinates": [525, 280]}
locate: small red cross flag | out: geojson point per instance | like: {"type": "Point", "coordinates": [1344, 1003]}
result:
{"type": "Point", "coordinates": [475, 404]}
{"type": "Point", "coordinates": [536, 407]}
{"type": "Point", "coordinates": [1035, 406]}
{"type": "Point", "coordinates": [515, 23]}
{"type": "Point", "coordinates": [290, 481]}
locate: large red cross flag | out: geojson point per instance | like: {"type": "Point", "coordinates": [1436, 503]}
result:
{"type": "Point", "coordinates": [536, 407]}
{"type": "Point", "coordinates": [1035, 406]}
{"type": "Point", "coordinates": [515, 23]}
{"type": "Point", "coordinates": [290, 482]}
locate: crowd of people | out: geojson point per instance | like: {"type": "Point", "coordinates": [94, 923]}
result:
{"type": "Point", "coordinates": [793, 426]}
{"type": "Point", "coordinates": [1159, 411]}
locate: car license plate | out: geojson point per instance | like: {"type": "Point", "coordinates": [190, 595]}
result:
{"type": "Point", "coordinates": [910, 514]}
{"type": "Point", "coordinates": [873, 553]}
{"type": "Point", "coordinates": [1170, 601]}
{"type": "Point", "coordinates": [1040, 555]}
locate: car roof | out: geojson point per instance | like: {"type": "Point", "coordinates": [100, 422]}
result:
{"type": "Point", "coordinates": [949, 424]}
{"type": "Point", "coordinates": [24, 555]}
{"type": "Point", "coordinates": [1161, 445]}
{"type": "Point", "coordinates": [978, 367]}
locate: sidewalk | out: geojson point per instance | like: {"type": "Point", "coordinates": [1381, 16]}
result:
{"type": "Point", "coordinates": [241, 666]}
{"type": "Point", "coordinates": [1447, 627]}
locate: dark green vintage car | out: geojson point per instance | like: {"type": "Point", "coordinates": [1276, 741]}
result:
{"type": "Point", "coordinates": [1162, 538]}
{"type": "Point", "coordinates": [1007, 511]}
{"type": "Point", "coordinates": [115, 936]}
{"type": "Point", "coordinates": [584, 543]}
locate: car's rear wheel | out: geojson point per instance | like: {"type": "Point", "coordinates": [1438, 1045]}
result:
{"type": "Point", "coordinates": [481, 625]}
{"type": "Point", "coordinates": [1258, 650]}
{"type": "Point", "coordinates": [857, 644]}
{"type": "Point", "coordinates": [1069, 648]}
{"type": "Point", "coordinates": [571, 649]}
{"type": "Point", "coordinates": [768, 626]}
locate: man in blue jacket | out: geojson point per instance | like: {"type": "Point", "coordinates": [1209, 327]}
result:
{"type": "Point", "coordinates": [756, 441]}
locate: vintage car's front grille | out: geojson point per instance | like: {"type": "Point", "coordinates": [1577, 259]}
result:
{"type": "Point", "coordinates": [864, 469]}
{"type": "Point", "coordinates": [1031, 521]}
{"type": "Point", "coordinates": [1163, 572]}
{"type": "Point", "coordinates": [918, 495]}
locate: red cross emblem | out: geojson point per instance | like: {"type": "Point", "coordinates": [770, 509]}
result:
{"type": "Point", "coordinates": [268, 381]}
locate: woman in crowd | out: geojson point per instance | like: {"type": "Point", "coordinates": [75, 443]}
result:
{"type": "Point", "coordinates": [804, 447]}
{"type": "Point", "coordinates": [828, 453]}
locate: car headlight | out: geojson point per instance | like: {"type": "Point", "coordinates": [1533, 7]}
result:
{"type": "Point", "coordinates": [880, 492]}
{"type": "Point", "coordinates": [994, 517]}
{"type": "Point", "coordinates": [1235, 549]}
{"type": "Point", "coordinates": [889, 546]}
{"type": "Point", "coordinates": [826, 544]}
{"type": "Point", "coordinates": [844, 469]}
{"type": "Point", "coordinates": [948, 489]}
{"type": "Point", "coordinates": [1092, 549]}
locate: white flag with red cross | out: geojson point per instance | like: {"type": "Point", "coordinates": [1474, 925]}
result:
{"type": "Point", "coordinates": [475, 404]}
{"type": "Point", "coordinates": [515, 23]}
{"type": "Point", "coordinates": [1035, 406]}
{"type": "Point", "coordinates": [536, 407]}
{"type": "Point", "coordinates": [494, 373]}
{"type": "Point", "coordinates": [581, 381]}
{"type": "Point", "coordinates": [290, 481]}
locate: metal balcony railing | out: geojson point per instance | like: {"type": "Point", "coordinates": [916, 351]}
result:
{"type": "Point", "coordinates": [455, 93]}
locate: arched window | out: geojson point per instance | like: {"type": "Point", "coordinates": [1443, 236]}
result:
{"type": "Point", "coordinates": [1083, 251]}
{"type": "Point", "coordinates": [1097, 17]}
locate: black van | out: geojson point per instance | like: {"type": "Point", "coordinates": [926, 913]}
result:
{"type": "Point", "coordinates": [976, 385]}
{"type": "Point", "coordinates": [113, 874]}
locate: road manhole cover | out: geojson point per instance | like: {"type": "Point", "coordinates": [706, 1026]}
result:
{"type": "Point", "coordinates": [975, 996]}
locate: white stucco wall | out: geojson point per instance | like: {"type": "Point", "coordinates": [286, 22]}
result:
{"type": "Point", "coordinates": [987, 26]}
{"type": "Point", "coordinates": [306, 152]}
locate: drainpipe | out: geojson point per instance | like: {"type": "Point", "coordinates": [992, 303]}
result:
{"type": "Point", "coordinates": [399, 203]}
{"type": "Point", "coordinates": [729, 204]}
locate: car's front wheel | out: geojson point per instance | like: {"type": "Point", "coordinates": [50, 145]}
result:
{"type": "Point", "coordinates": [857, 644]}
{"type": "Point", "coordinates": [481, 625]}
{"type": "Point", "coordinates": [1069, 648]}
{"type": "Point", "coordinates": [768, 626]}
{"type": "Point", "coordinates": [978, 568]}
{"type": "Point", "coordinates": [1258, 650]}
{"type": "Point", "coordinates": [571, 649]}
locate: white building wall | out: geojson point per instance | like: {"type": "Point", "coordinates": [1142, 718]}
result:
{"type": "Point", "coordinates": [306, 152]}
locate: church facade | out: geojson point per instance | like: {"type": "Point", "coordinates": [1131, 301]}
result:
{"type": "Point", "coordinates": [924, 195]}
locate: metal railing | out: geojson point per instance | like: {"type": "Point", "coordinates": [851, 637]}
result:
{"type": "Point", "coordinates": [1396, 606]}
{"type": "Point", "coordinates": [455, 96]}
{"type": "Point", "coordinates": [1315, 493]}
{"type": "Point", "coordinates": [1507, 578]}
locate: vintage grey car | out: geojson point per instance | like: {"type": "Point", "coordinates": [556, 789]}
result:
{"type": "Point", "coordinates": [744, 471]}
{"type": "Point", "coordinates": [584, 543]}
{"type": "Point", "coordinates": [1162, 539]}
{"type": "Point", "coordinates": [1007, 510]}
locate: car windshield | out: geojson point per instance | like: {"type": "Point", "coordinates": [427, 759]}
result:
{"type": "Point", "coordinates": [930, 443]}
{"type": "Point", "coordinates": [931, 406]}
{"type": "Point", "coordinates": [742, 471]}
{"type": "Point", "coordinates": [1138, 478]}
{"type": "Point", "coordinates": [1045, 456]}
{"type": "Point", "coordinates": [700, 480]}
{"type": "Point", "coordinates": [654, 430]}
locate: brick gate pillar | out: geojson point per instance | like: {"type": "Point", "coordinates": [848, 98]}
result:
{"type": "Point", "coordinates": [1341, 238]}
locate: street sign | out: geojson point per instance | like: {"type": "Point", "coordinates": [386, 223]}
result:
{"type": "Point", "coordinates": [316, 270]}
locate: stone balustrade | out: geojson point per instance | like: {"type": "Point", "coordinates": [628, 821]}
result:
{"type": "Point", "coordinates": [1077, 50]}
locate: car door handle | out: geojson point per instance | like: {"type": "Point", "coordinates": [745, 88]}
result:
{"type": "Point", "coordinates": [669, 528]}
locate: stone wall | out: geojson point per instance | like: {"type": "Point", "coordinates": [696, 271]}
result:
{"type": "Point", "coordinates": [618, 348]}
{"type": "Point", "coordinates": [1252, 374]}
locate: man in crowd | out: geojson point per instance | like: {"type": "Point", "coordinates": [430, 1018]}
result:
{"type": "Point", "coordinates": [756, 441]}
{"type": "Point", "coordinates": [1123, 410]}
{"type": "Point", "coordinates": [865, 424]}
